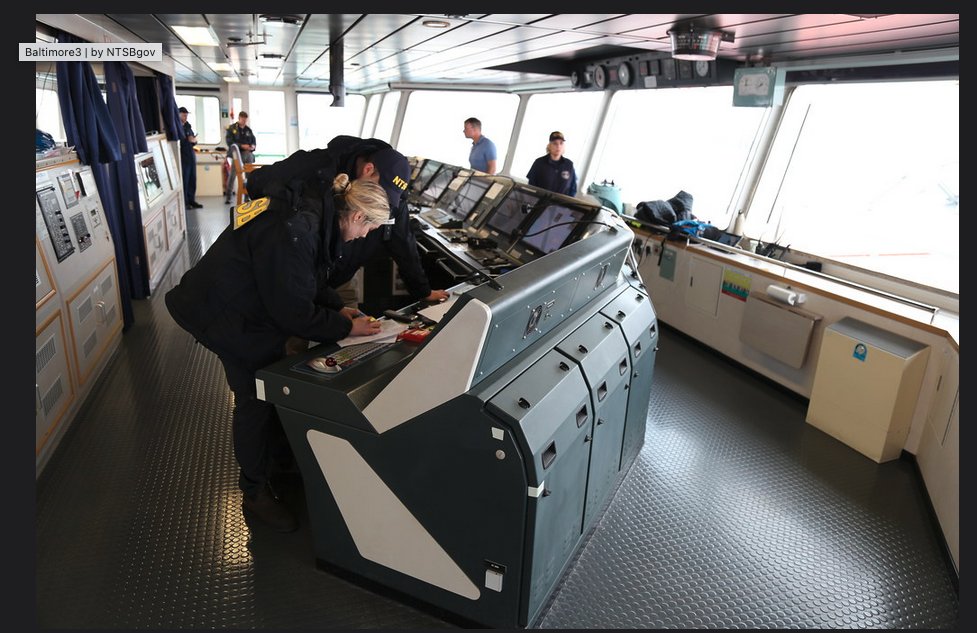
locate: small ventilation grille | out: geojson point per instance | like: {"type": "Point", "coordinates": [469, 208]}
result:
{"type": "Point", "coordinates": [106, 285]}
{"type": "Point", "coordinates": [110, 317]}
{"type": "Point", "coordinates": [85, 310]}
{"type": "Point", "coordinates": [52, 396]}
{"type": "Point", "coordinates": [44, 355]}
{"type": "Point", "coordinates": [90, 344]}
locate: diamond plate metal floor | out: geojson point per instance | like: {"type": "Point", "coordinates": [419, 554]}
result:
{"type": "Point", "coordinates": [736, 514]}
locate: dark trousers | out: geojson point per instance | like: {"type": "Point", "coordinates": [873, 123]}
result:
{"type": "Point", "coordinates": [189, 181]}
{"type": "Point", "coordinates": [260, 443]}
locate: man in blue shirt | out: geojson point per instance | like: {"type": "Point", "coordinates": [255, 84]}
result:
{"type": "Point", "coordinates": [554, 171]}
{"type": "Point", "coordinates": [483, 155]}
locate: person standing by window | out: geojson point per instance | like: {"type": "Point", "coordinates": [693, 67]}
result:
{"type": "Point", "coordinates": [483, 154]}
{"type": "Point", "coordinates": [188, 160]}
{"type": "Point", "coordinates": [554, 171]}
{"type": "Point", "coordinates": [241, 135]}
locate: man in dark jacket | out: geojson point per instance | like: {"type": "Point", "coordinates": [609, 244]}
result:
{"type": "Point", "coordinates": [374, 160]}
{"type": "Point", "coordinates": [239, 134]}
{"type": "Point", "coordinates": [260, 283]}
{"type": "Point", "coordinates": [188, 160]}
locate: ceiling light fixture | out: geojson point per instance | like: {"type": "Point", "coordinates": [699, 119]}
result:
{"type": "Point", "coordinates": [436, 24]}
{"type": "Point", "coordinates": [231, 79]}
{"type": "Point", "coordinates": [697, 45]}
{"type": "Point", "coordinates": [220, 67]}
{"type": "Point", "coordinates": [282, 18]}
{"type": "Point", "coordinates": [253, 40]}
{"type": "Point", "coordinates": [196, 35]}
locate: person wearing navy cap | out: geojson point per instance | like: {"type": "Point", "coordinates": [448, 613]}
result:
{"type": "Point", "coordinates": [188, 160]}
{"type": "Point", "coordinates": [374, 160]}
{"type": "Point", "coordinates": [554, 171]}
{"type": "Point", "coordinates": [259, 286]}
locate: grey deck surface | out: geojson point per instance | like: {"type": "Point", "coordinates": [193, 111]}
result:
{"type": "Point", "coordinates": [735, 514]}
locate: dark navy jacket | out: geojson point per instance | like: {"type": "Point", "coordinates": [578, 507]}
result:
{"type": "Point", "coordinates": [558, 176]}
{"type": "Point", "coordinates": [237, 134]}
{"type": "Point", "coordinates": [263, 282]}
{"type": "Point", "coordinates": [187, 154]}
{"type": "Point", "coordinates": [396, 240]}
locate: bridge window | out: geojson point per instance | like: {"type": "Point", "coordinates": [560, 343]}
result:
{"type": "Point", "coordinates": [266, 118]}
{"type": "Point", "coordinates": [571, 113]}
{"type": "Point", "coordinates": [660, 142]}
{"type": "Point", "coordinates": [47, 112]}
{"type": "Point", "coordinates": [204, 117]}
{"type": "Point", "coordinates": [319, 121]}
{"type": "Point", "coordinates": [388, 113]}
{"type": "Point", "coordinates": [370, 118]}
{"type": "Point", "coordinates": [868, 175]}
{"type": "Point", "coordinates": [435, 119]}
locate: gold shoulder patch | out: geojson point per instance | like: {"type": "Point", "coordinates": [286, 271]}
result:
{"type": "Point", "coordinates": [249, 210]}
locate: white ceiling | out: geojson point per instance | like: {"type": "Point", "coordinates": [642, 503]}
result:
{"type": "Point", "coordinates": [380, 49]}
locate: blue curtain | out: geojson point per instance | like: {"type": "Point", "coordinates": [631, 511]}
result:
{"type": "Point", "coordinates": [120, 88]}
{"type": "Point", "coordinates": [148, 104]}
{"type": "Point", "coordinates": [171, 116]}
{"type": "Point", "coordinates": [90, 129]}
{"type": "Point", "coordinates": [122, 104]}
{"type": "Point", "coordinates": [87, 123]}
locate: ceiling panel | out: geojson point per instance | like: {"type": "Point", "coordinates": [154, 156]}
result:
{"type": "Point", "coordinates": [637, 21]}
{"type": "Point", "coordinates": [569, 21]}
{"type": "Point", "coordinates": [391, 48]}
{"type": "Point", "coordinates": [514, 18]}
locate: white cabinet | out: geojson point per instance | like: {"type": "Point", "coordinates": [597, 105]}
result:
{"type": "Point", "coordinates": [938, 454]}
{"type": "Point", "coordinates": [161, 204]}
{"type": "Point", "coordinates": [865, 387]}
{"type": "Point", "coordinates": [77, 306]}
{"type": "Point", "coordinates": [54, 391]}
{"type": "Point", "coordinates": [705, 279]}
{"type": "Point", "coordinates": [155, 232]}
{"type": "Point", "coordinates": [95, 319]}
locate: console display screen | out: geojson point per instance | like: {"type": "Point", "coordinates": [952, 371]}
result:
{"type": "Point", "coordinates": [562, 220]}
{"type": "Point", "coordinates": [468, 196]}
{"type": "Point", "coordinates": [425, 174]}
{"type": "Point", "coordinates": [434, 190]}
{"type": "Point", "coordinates": [512, 211]}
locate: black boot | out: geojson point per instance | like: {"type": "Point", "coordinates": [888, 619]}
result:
{"type": "Point", "coordinates": [267, 509]}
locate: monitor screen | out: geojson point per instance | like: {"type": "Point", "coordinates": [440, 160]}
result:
{"type": "Point", "coordinates": [469, 195]}
{"type": "Point", "coordinates": [562, 220]}
{"type": "Point", "coordinates": [425, 174]}
{"type": "Point", "coordinates": [150, 179]}
{"type": "Point", "coordinates": [512, 211]}
{"type": "Point", "coordinates": [433, 191]}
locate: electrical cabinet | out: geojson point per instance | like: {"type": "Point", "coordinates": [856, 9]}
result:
{"type": "Point", "coordinates": [78, 316]}
{"type": "Point", "coordinates": [161, 204]}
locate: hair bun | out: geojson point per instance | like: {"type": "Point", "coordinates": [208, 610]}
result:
{"type": "Point", "coordinates": [340, 183]}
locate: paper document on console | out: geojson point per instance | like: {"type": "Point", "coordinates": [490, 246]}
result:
{"type": "Point", "coordinates": [389, 329]}
{"type": "Point", "coordinates": [438, 310]}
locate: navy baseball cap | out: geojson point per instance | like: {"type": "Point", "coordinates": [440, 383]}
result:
{"type": "Point", "coordinates": [394, 173]}
{"type": "Point", "coordinates": [182, 109]}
